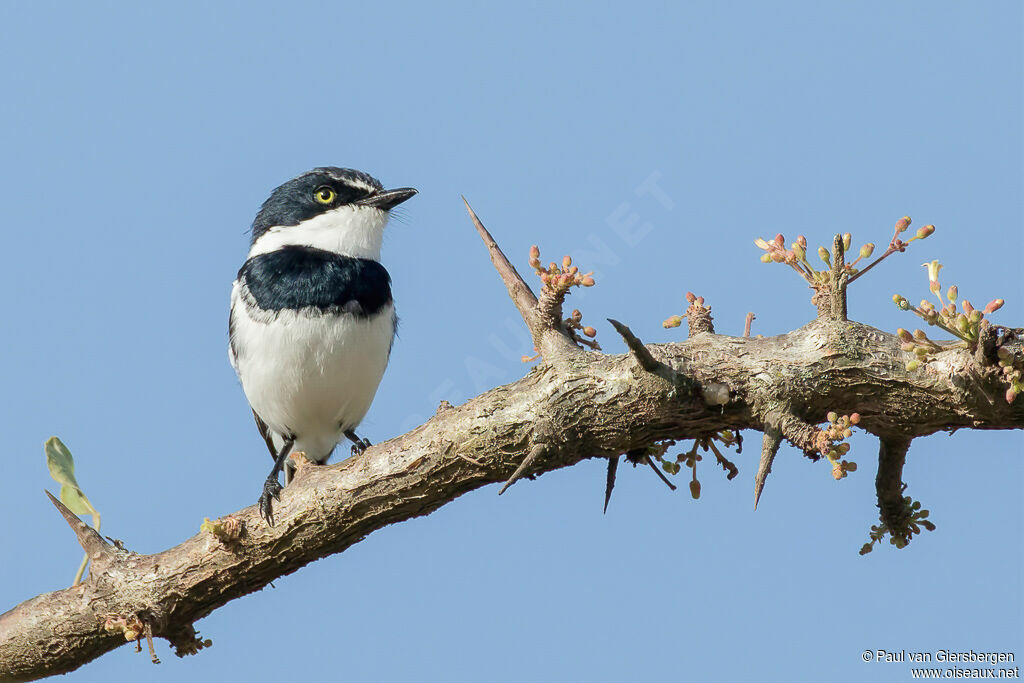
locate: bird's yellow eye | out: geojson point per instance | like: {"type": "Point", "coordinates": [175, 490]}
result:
{"type": "Point", "coordinates": [324, 195]}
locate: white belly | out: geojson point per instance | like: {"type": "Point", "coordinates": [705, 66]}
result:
{"type": "Point", "coordinates": [311, 376]}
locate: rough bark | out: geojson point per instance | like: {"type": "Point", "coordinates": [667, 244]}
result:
{"type": "Point", "coordinates": [575, 405]}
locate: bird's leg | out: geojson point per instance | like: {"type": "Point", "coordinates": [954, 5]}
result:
{"type": "Point", "coordinates": [358, 445]}
{"type": "Point", "coordinates": [272, 487]}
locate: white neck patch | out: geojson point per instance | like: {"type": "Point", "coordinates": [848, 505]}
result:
{"type": "Point", "coordinates": [349, 230]}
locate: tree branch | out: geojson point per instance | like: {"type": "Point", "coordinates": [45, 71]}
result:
{"type": "Point", "coordinates": [590, 405]}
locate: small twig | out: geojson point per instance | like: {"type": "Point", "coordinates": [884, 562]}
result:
{"type": "Point", "coordinates": [726, 464]}
{"type": "Point", "coordinates": [637, 348]}
{"type": "Point", "coordinates": [530, 457]}
{"type": "Point", "coordinates": [769, 448]}
{"type": "Point", "coordinates": [839, 279]}
{"type": "Point", "coordinates": [660, 473]}
{"type": "Point", "coordinates": [613, 466]}
{"type": "Point", "coordinates": [148, 631]}
{"type": "Point", "coordinates": [746, 325]}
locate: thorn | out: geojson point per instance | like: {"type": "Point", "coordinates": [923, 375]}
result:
{"type": "Point", "coordinates": [637, 348]}
{"type": "Point", "coordinates": [530, 457]}
{"type": "Point", "coordinates": [613, 465]}
{"type": "Point", "coordinates": [522, 296]}
{"type": "Point", "coordinates": [90, 540]}
{"type": "Point", "coordinates": [769, 447]}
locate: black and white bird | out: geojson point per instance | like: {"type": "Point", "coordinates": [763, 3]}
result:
{"type": "Point", "coordinates": [312, 320]}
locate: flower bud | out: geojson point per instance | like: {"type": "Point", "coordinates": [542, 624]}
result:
{"type": "Point", "coordinates": [837, 472]}
{"type": "Point", "coordinates": [590, 331]}
{"type": "Point", "coordinates": [762, 244]}
{"type": "Point", "coordinates": [951, 293]}
{"type": "Point", "coordinates": [823, 255]}
{"type": "Point", "coordinates": [908, 347]}
{"type": "Point", "coordinates": [854, 418]}
{"type": "Point", "coordinates": [925, 231]}
{"type": "Point", "coordinates": [1011, 394]}
{"type": "Point", "coordinates": [576, 315]}
{"type": "Point", "coordinates": [994, 305]}
{"type": "Point", "coordinates": [847, 241]}
{"type": "Point", "coordinates": [919, 335]}
{"type": "Point", "coordinates": [962, 323]}
{"type": "Point", "coordinates": [802, 241]}
{"type": "Point", "coordinates": [831, 416]}
{"type": "Point", "coordinates": [904, 335]}
{"type": "Point", "coordinates": [913, 365]}
{"type": "Point", "coordinates": [766, 258]}
{"type": "Point", "coordinates": [975, 316]}
{"type": "Point", "coordinates": [587, 281]}
{"type": "Point", "coordinates": [690, 297]}
{"type": "Point", "coordinates": [674, 321]}
{"type": "Point", "coordinates": [799, 251]}
{"type": "Point", "coordinates": [566, 261]}
{"type": "Point", "coordinates": [695, 489]}
{"type": "Point", "coordinates": [780, 240]}
{"type": "Point", "coordinates": [867, 250]}
{"type": "Point", "coordinates": [534, 252]}
{"type": "Point", "coordinates": [902, 224]}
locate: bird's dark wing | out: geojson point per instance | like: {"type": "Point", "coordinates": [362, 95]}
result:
{"type": "Point", "coordinates": [268, 437]}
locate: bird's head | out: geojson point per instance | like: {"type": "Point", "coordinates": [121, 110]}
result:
{"type": "Point", "coordinates": [335, 209]}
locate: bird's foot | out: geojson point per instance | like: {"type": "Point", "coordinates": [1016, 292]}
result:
{"type": "Point", "coordinates": [358, 444]}
{"type": "Point", "coordinates": [271, 492]}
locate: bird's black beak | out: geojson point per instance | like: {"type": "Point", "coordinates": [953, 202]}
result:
{"type": "Point", "coordinates": [387, 199]}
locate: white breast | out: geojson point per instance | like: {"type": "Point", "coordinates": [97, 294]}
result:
{"type": "Point", "coordinates": [313, 376]}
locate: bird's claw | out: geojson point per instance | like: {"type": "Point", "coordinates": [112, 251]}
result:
{"type": "Point", "coordinates": [359, 446]}
{"type": "Point", "coordinates": [271, 492]}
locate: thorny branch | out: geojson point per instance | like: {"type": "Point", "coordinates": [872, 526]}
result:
{"type": "Point", "coordinates": [590, 405]}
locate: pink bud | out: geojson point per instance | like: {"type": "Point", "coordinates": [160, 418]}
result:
{"type": "Point", "coordinates": [902, 224]}
{"type": "Point", "coordinates": [780, 240]}
{"type": "Point", "coordinates": [802, 241]}
{"type": "Point", "coordinates": [854, 418]}
{"type": "Point", "coordinates": [925, 231]}
{"type": "Point", "coordinates": [576, 315]}
{"type": "Point", "coordinates": [544, 277]}
{"type": "Point", "coordinates": [590, 331]}
{"type": "Point", "coordinates": [566, 261]}
{"type": "Point", "coordinates": [968, 308]}
{"type": "Point", "coordinates": [994, 305]}
{"type": "Point", "coordinates": [904, 335]}
{"type": "Point", "coordinates": [534, 252]}
{"type": "Point", "coordinates": [1010, 395]}
{"type": "Point", "coordinates": [691, 297]}
{"type": "Point", "coordinates": [700, 301]}
{"type": "Point", "coordinates": [587, 281]}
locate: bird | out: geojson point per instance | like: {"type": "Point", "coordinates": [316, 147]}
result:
{"type": "Point", "coordinates": [312, 320]}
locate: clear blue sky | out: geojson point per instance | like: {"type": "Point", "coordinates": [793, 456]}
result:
{"type": "Point", "coordinates": [138, 143]}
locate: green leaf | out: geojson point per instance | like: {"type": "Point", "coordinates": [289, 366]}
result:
{"type": "Point", "coordinates": [62, 469]}
{"type": "Point", "coordinates": [60, 462]}
{"type": "Point", "coordinates": [76, 501]}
